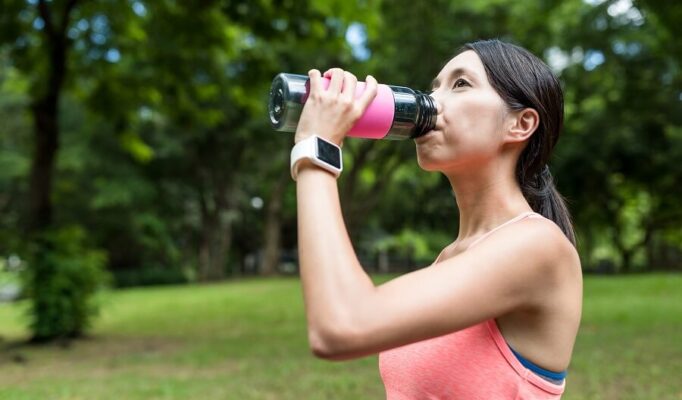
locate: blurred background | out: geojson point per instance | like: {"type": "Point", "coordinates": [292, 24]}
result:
{"type": "Point", "coordinates": [136, 155]}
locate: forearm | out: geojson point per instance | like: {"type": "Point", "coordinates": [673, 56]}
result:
{"type": "Point", "coordinates": [334, 283]}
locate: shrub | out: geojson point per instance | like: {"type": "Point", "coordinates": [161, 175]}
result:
{"type": "Point", "coordinates": [61, 280]}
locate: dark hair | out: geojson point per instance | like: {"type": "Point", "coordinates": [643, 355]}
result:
{"type": "Point", "coordinates": [524, 81]}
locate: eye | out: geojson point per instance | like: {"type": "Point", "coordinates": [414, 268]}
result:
{"type": "Point", "coordinates": [460, 83]}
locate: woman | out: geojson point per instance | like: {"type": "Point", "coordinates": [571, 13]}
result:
{"type": "Point", "coordinates": [496, 315]}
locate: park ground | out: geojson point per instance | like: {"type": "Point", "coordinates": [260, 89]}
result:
{"type": "Point", "coordinates": [246, 339]}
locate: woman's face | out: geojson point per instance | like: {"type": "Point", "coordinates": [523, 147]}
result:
{"type": "Point", "coordinates": [471, 117]}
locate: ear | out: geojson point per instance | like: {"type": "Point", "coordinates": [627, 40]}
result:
{"type": "Point", "coordinates": [522, 124]}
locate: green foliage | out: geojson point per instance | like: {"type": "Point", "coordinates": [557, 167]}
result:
{"type": "Point", "coordinates": [417, 245]}
{"type": "Point", "coordinates": [166, 144]}
{"type": "Point", "coordinates": [62, 279]}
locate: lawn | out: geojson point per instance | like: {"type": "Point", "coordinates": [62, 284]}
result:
{"type": "Point", "coordinates": [246, 340]}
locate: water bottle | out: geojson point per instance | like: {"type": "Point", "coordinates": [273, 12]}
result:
{"type": "Point", "coordinates": [395, 113]}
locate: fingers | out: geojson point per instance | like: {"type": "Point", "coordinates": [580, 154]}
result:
{"type": "Point", "coordinates": [350, 83]}
{"type": "Point", "coordinates": [336, 80]}
{"type": "Point", "coordinates": [344, 84]}
{"type": "Point", "coordinates": [371, 88]}
{"type": "Point", "coordinates": [341, 82]}
{"type": "Point", "coordinates": [315, 81]}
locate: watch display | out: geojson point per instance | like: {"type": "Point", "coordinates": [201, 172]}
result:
{"type": "Point", "coordinates": [328, 153]}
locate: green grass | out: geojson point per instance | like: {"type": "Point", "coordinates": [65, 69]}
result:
{"type": "Point", "coordinates": [247, 340]}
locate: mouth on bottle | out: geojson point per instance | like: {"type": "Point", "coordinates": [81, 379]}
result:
{"type": "Point", "coordinates": [425, 137]}
{"type": "Point", "coordinates": [427, 115]}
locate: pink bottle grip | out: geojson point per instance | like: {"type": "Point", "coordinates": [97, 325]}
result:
{"type": "Point", "coordinates": [378, 117]}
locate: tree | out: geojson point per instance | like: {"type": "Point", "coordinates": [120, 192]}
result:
{"type": "Point", "coordinates": [61, 265]}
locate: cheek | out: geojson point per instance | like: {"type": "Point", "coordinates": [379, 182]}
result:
{"type": "Point", "coordinates": [474, 120]}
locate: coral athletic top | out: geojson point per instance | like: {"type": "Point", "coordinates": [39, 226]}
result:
{"type": "Point", "coordinates": [475, 363]}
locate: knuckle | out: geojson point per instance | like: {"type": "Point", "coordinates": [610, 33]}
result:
{"type": "Point", "coordinates": [356, 112]}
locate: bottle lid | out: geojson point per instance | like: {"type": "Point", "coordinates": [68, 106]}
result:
{"type": "Point", "coordinates": [287, 95]}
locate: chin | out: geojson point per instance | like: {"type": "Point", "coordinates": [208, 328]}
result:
{"type": "Point", "coordinates": [426, 164]}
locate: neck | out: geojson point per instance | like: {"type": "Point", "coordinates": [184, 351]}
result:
{"type": "Point", "coordinates": [486, 198]}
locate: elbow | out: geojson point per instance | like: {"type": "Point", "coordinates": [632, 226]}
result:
{"type": "Point", "coordinates": [333, 343]}
{"type": "Point", "coordinates": [321, 346]}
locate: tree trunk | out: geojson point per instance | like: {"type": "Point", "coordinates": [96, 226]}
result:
{"type": "Point", "coordinates": [216, 237]}
{"type": "Point", "coordinates": [273, 227]}
{"type": "Point", "coordinates": [46, 119]}
{"type": "Point", "coordinates": [626, 261]}
{"type": "Point", "coordinates": [648, 251]}
{"type": "Point", "coordinates": [46, 143]}
{"type": "Point", "coordinates": [213, 249]}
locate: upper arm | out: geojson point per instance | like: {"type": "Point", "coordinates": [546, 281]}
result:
{"type": "Point", "coordinates": [510, 270]}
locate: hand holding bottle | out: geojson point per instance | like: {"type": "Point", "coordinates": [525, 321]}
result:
{"type": "Point", "coordinates": [331, 113]}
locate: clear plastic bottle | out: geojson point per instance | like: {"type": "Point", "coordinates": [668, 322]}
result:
{"type": "Point", "coordinates": [395, 113]}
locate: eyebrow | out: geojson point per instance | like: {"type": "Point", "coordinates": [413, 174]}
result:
{"type": "Point", "coordinates": [455, 72]}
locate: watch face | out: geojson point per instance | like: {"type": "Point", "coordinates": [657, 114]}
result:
{"type": "Point", "coordinates": [328, 153]}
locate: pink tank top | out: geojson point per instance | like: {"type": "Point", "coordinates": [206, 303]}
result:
{"type": "Point", "coordinates": [474, 363]}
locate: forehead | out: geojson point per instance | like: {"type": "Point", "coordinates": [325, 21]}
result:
{"type": "Point", "coordinates": [466, 62]}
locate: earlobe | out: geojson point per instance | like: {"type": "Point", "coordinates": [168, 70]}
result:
{"type": "Point", "coordinates": [523, 125]}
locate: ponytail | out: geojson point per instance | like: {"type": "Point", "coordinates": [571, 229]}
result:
{"type": "Point", "coordinates": [543, 197]}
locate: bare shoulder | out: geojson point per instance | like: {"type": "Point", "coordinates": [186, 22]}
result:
{"type": "Point", "coordinates": [553, 260]}
{"type": "Point", "coordinates": [539, 237]}
{"type": "Point", "coordinates": [551, 244]}
{"type": "Point", "coordinates": [547, 237]}
{"type": "Point", "coordinates": [545, 258]}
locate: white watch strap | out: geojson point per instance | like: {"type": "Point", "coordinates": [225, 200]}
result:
{"type": "Point", "coordinates": [303, 149]}
{"type": "Point", "coordinates": [306, 148]}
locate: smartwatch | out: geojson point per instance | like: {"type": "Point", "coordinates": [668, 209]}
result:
{"type": "Point", "coordinates": [321, 152]}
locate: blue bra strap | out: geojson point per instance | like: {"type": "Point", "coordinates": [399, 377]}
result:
{"type": "Point", "coordinates": [541, 371]}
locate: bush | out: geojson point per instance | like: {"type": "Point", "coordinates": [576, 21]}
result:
{"type": "Point", "coordinates": [61, 280]}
